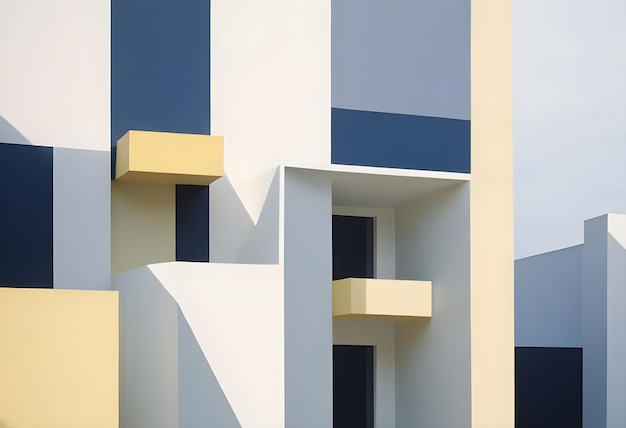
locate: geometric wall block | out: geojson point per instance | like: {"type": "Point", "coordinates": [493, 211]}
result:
{"type": "Point", "coordinates": [164, 157]}
{"type": "Point", "coordinates": [391, 140]}
{"type": "Point", "coordinates": [548, 387]}
{"type": "Point", "coordinates": [143, 224]}
{"type": "Point", "coordinates": [384, 299]}
{"type": "Point", "coordinates": [179, 363]}
{"type": "Point", "coordinates": [160, 66]}
{"type": "Point", "coordinates": [26, 216]}
{"type": "Point", "coordinates": [59, 353]}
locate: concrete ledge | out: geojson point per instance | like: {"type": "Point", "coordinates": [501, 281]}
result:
{"type": "Point", "coordinates": [169, 158]}
{"type": "Point", "coordinates": [381, 299]}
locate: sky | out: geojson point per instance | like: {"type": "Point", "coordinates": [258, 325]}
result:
{"type": "Point", "coordinates": [569, 118]}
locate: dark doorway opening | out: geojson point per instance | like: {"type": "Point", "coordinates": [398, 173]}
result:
{"type": "Point", "coordinates": [353, 386]}
{"type": "Point", "coordinates": [353, 247]}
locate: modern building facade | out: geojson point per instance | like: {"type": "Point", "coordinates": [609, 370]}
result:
{"type": "Point", "coordinates": [569, 305]}
{"type": "Point", "coordinates": [303, 209]}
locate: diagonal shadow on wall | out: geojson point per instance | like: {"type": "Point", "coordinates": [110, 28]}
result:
{"type": "Point", "coordinates": [9, 134]}
{"type": "Point", "coordinates": [201, 401]}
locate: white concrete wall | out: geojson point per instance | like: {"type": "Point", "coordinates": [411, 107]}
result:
{"type": "Point", "coordinates": [433, 375]}
{"type": "Point", "coordinates": [616, 321]}
{"type": "Point", "coordinates": [548, 305]}
{"type": "Point", "coordinates": [82, 225]}
{"type": "Point", "coordinates": [385, 237]}
{"type": "Point", "coordinates": [56, 62]}
{"type": "Point", "coordinates": [594, 331]}
{"type": "Point", "coordinates": [308, 300]}
{"type": "Point", "coordinates": [148, 351]}
{"type": "Point", "coordinates": [202, 345]}
{"type": "Point", "coordinates": [270, 99]}
{"type": "Point", "coordinates": [381, 335]}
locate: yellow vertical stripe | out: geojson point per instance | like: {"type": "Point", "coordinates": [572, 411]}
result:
{"type": "Point", "coordinates": [491, 208]}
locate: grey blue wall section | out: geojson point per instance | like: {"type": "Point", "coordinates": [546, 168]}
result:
{"type": "Point", "coordinates": [26, 246]}
{"type": "Point", "coordinates": [308, 300]}
{"type": "Point", "coordinates": [400, 141]}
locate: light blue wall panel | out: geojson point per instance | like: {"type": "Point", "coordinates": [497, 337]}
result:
{"type": "Point", "coordinates": [308, 300]}
{"type": "Point", "coordinates": [82, 219]}
{"type": "Point", "coordinates": [548, 307]}
{"type": "Point", "coordinates": [402, 56]}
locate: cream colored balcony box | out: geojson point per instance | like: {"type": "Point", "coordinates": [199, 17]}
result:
{"type": "Point", "coordinates": [385, 299]}
{"type": "Point", "coordinates": [170, 158]}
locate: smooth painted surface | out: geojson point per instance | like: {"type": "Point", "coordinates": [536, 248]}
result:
{"type": "Point", "coordinates": [192, 223]}
{"type": "Point", "coordinates": [594, 327]}
{"type": "Point", "coordinates": [360, 297]}
{"type": "Point", "coordinates": [165, 157]}
{"type": "Point", "coordinates": [143, 224]}
{"type": "Point", "coordinates": [548, 305]}
{"type": "Point", "coordinates": [491, 214]}
{"type": "Point", "coordinates": [548, 387]}
{"type": "Point", "coordinates": [55, 86]}
{"type": "Point", "coordinates": [433, 368]}
{"type": "Point", "coordinates": [160, 66]}
{"type": "Point", "coordinates": [149, 352]}
{"type": "Point", "coordinates": [381, 335]}
{"type": "Point", "coordinates": [82, 222]}
{"type": "Point", "coordinates": [615, 321]}
{"type": "Point", "coordinates": [59, 358]}
{"type": "Point", "coordinates": [402, 57]}
{"type": "Point", "coordinates": [26, 221]}
{"type": "Point", "coordinates": [248, 299]}
{"type": "Point", "coordinates": [272, 104]}
{"type": "Point", "coordinates": [308, 300]}
{"type": "Point", "coordinates": [394, 140]}
{"type": "Point", "coordinates": [234, 237]}
{"type": "Point", "coordinates": [201, 400]}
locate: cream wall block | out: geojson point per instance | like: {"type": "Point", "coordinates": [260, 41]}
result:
{"type": "Point", "coordinates": [59, 358]}
{"type": "Point", "coordinates": [491, 214]}
{"type": "Point", "coordinates": [56, 62]}
{"type": "Point", "coordinates": [143, 224]}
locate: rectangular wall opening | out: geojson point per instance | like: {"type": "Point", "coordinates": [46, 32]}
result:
{"type": "Point", "coordinates": [353, 247]}
{"type": "Point", "coordinates": [353, 386]}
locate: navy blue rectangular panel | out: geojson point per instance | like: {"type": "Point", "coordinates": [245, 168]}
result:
{"type": "Point", "coordinates": [392, 140]}
{"type": "Point", "coordinates": [160, 66]}
{"type": "Point", "coordinates": [26, 248]}
{"type": "Point", "coordinates": [353, 386]}
{"type": "Point", "coordinates": [192, 223]}
{"type": "Point", "coordinates": [353, 247]}
{"type": "Point", "coordinates": [548, 387]}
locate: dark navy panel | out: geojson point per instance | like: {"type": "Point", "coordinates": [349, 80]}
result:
{"type": "Point", "coordinates": [192, 223]}
{"type": "Point", "coordinates": [160, 66]}
{"type": "Point", "coordinates": [353, 247]}
{"type": "Point", "coordinates": [548, 387]}
{"type": "Point", "coordinates": [353, 386]}
{"type": "Point", "coordinates": [400, 141]}
{"type": "Point", "coordinates": [26, 216]}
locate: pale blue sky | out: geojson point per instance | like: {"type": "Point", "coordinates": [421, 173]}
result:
{"type": "Point", "coordinates": [569, 118]}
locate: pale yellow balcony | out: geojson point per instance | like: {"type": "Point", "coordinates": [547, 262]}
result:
{"type": "Point", "coordinates": [170, 158]}
{"type": "Point", "coordinates": [384, 299]}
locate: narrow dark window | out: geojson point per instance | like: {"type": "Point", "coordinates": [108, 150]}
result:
{"type": "Point", "coordinates": [353, 247]}
{"type": "Point", "coordinates": [353, 386]}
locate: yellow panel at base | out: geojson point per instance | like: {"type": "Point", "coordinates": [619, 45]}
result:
{"type": "Point", "coordinates": [169, 158]}
{"type": "Point", "coordinates": [58, 358]}
{"type": "Point", "coordinates": [381, 299]}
